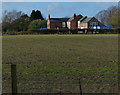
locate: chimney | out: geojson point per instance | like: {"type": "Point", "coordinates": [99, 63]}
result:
{"type": "Point", "coordinates": [49, 16]}
{"type": "Point", "coordinates": [74, 15]}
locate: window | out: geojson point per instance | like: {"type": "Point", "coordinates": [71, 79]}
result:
{"type": "Point", "coordinates": [68, 24]}
{"type": "Point", "coordinates": [93, 24]}
{"type": "Point", "coordinates": [63, 24]}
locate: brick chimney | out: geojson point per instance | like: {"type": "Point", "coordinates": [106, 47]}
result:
{"type": "Point", "coordinates": [74, 15]}
{"type": "Point", "coordinates": [49, 16]}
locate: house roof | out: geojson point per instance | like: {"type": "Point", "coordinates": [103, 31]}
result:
{"type": "Point", "coordinates": [59, 19]}
{"type": "Point", "coordinates": [84, 19]}
{"type": "Point", "coordinates": [72, 18]}
{"type": "Point", "coordinates": [87, 20]}
{"type": "Point", "coordinates": [81, 19]}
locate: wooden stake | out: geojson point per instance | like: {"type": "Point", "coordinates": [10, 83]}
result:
{"type": "Point", "coordinates": [80, 87]}
{"type": "Point", "coordinates": [14, 79]}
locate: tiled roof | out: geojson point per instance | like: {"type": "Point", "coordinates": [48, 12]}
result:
{"type": "Point", "coordinates": [81, 19]}
{"type": "Point", "coordinates": [72, 18]}
{"type": "Point", "coordinates": [87, 20]}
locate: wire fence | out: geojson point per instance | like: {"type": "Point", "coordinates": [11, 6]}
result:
{"type": "Point", "coordinates": [17, 83]}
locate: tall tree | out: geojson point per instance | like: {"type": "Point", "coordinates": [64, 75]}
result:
{"type": "Point", "coordinates": [32, 16]}
{"type": "Point", "coordinates": [39, 15]}
{"type": "Point", "coordinates": [114, 20]}
{"type": "Point", "coordinates": [21, 24]}
{"type": "Point", "coordinates": [8, 18]}
{"type": "Point", "coordinates": [14, 21]}
{"type": "Point", "coordinates": [11, 16]}
{"type": "Point", "coordinates": [104, 15]}
{"type": "Point", "coordinates": [36, 15]}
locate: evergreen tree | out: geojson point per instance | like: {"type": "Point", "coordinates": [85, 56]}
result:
{"type": "Point", "coordinates": [36, 15]}
{"type": "Point", "coordinates": [39, 15]}
{"type": "Point", "coordinates": [32, 16]}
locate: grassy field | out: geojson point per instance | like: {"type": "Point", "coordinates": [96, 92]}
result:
{"type": "Point", "coordinates": [54, 63]}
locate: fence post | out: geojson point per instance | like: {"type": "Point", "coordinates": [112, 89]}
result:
{"type": "Point", "coordinates": [80, 87]}
{"type": "Point", "coordinates": [13, 79]}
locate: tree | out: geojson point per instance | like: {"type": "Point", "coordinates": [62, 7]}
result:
{"type": "Point", "coordinates": [36, 15]}
{"type": "Point", "coordinates": [32, 16]}
{"type": "Point", "coordinates": [21, 24]}
{"type": "Point", "coordinates": [104, 15]}
{"type": "Point", "coordinates": [11, 16]}
{"type": "Point", "coordinates": [114, 20]}
{"type": "Point", "coordinates": [36, 24]}
{"type": "Point", "coordinates": [8, 19]}
{"type": "Point", "coordinates": [6, 26]}
{"type": "Point", "coordinates": [25, 23]}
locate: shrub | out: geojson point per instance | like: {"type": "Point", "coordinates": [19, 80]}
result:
{"type": "Point", "coordinates": [36, 24]}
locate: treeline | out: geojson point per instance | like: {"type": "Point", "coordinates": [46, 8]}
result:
{"type": "Point", "coordinates": [110, 16]}
{"type": "Point", "coordinates": [16, 21]}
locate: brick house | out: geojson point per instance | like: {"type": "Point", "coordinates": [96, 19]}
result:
{"type": "Point", "coordinates": [53, 23]}
{"type": "Point", "coordinates": [88, 22]}
{"type": "Point", "coordinates": [74, 22]}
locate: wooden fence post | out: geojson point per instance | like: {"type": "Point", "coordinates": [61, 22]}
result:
{"type": "Point", "coordinates": [80, 87]}
{"type": "Point", "coordinates": [13, 79]}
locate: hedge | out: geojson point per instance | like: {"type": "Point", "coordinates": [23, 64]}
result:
{"type": "Point", "coordinates": [65, 31]}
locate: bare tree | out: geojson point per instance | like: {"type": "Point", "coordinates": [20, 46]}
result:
{"type": "Point", "coordinates": [104, 15]}
{"type": "Point", "coordinates": [11, 16]}
{"type": "Point", "coordinates": [8, 18]}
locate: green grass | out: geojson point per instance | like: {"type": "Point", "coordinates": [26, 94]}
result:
{"type": "Point", "coordinates": [70, 56]}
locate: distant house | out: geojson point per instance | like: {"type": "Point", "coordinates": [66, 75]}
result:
{"type": "Point", "coordinates": [88, 22]}
{"type": "Point", "coordinates": [74, 22]}
{"type": "Point", "coordinates": [53, 23]}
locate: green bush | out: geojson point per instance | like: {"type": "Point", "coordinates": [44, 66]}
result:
{"type": "Point", "coordinates": [36, 24]}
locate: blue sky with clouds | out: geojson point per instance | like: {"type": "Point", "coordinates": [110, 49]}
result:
{"type": "Point", "coordinates": [58, 9]}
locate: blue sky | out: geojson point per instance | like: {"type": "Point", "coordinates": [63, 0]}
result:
{"type": "Point", "coordinates": [58, 9]}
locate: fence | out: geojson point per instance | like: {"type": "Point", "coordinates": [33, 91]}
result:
{"type": "Point", "coordinates": [62, 84]}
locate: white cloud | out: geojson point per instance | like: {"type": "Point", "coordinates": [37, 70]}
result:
{"type": "Point", "coordinates": [60, 0]}
{"type": "Point", "coordinates": [54, 8]}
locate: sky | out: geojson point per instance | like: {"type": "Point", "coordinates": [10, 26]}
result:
{"type": "Point", "coordinates": [58, 9]}
{"type": "Point", "coordinates": [60, 0]}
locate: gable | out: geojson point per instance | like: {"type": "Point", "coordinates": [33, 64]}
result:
{"type": "Point", "coordinates": [92, 19]}
{"type": "Point", "coordinates": [95, 20]}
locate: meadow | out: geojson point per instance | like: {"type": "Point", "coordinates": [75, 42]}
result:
{"type": "Point", "coordinates": [55, 63]}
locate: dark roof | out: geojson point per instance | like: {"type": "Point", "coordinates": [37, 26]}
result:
{"type": "Point", "coordinates": [59, 19]}
{"type": "Point", "coordinates": [87, 20]}
{"type": "Point", "coordinates": [84, 17]}
{"type": "Point", "coordinates": [81, 18]}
